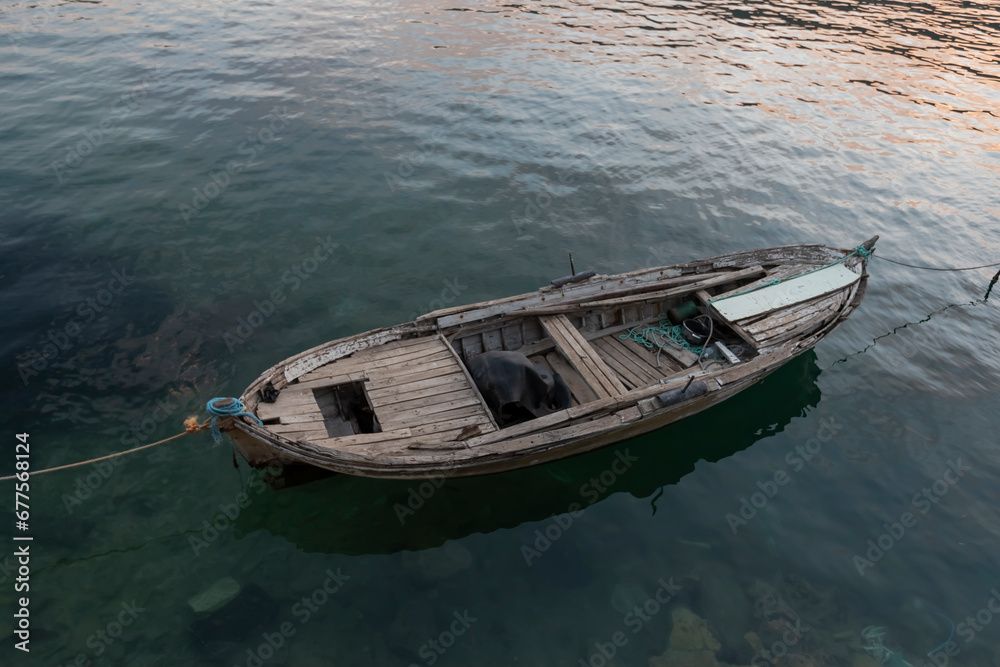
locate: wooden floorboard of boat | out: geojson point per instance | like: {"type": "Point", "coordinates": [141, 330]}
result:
{"type": "Point", "coordinates": [402, 416]}
{"type": "Point", "coordinates": [340, 428]}
{"type": "Point", "coordinates": [390, 378]}
{"type": "Point", "coordinates": [626, 374]}
{"type": "Point", "coordinates": [354, 364]}
{"type": "Point", "coordinates": [770, 325]}
{"type": "Point", "coordinates": [411, 421]}
{"type": "Point", "coordinates": [582, 356]}
{"type": "Point", "coordinates": [578, 387]}
{"type": "Point", "coordinates": [399, 348]}
{"type": "Point", "coordinates": [644, 373]}
{"type": "Point", "coordinates": [407, 403]}
{"type": "Point", "coordinates": [384, 394]}
{"type": "Point", "coordinates": [308, 405]}
{"type": "Point", "coordinates": [544, 363]}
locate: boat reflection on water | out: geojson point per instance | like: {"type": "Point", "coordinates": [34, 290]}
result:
{"type": "Point", "coordinates": [342, 514]}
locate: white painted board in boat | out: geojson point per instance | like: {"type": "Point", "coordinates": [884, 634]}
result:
{"type": "Point", "coordinates": [786, 293]}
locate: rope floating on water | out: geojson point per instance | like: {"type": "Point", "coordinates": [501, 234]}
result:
{"type": "Point", "coordinates": [217, 407]}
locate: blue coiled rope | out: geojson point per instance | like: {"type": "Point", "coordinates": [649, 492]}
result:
{"type": "Point", "coordinates": [235, 408]}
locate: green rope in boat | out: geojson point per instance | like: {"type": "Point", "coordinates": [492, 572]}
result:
{"type": "Point", "coordinates": [672, 333]}
{"type": "Point", "coordinates": [860, 251]}
{"type": "Point", "coordinates": [648, 335]}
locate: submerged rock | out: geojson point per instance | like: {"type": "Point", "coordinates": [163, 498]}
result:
{"type": "Point", "coordinates": [724, 604]}
{"type": "Point", "coordinates": [691, 643]}
{"type": "Point", "coordinates": [216, 596]}
{"type": "Point", "coordinates": [227, 629]}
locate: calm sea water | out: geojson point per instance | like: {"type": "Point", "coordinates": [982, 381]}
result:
{"type": "Point", "coordinates": [170, 168]}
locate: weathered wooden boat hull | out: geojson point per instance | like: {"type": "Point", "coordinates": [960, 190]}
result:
{"type": "Point", "coordinates": [426, 417]}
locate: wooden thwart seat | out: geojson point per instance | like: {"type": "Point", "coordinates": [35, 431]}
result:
{"type": "Point", "coordinates": [582, 357]}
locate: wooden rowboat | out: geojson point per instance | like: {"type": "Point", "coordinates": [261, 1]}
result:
{"type": "Point", "coordinates": [401, 401]}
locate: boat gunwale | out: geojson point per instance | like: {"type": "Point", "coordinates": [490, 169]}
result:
{"type": "Point", "coordinates": [451, 455]}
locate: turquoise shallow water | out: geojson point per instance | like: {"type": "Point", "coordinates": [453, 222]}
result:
{"type": "Point", "coordinates": [169, 168]}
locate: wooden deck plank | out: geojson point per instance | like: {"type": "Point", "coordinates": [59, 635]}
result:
{"type": "Point", "coordinates": [407, 403]}
{"type": "Point", "coordinates": [661, 295]}
{"type": "Point", "coordinates": [286, 430]}
{"type": "Point", "coordinates": [582, 356]}
{"type": "Point", "coordinates": [668, 361]}
{"type": "Point", "coordinates": [385, 405]}
{"type": "Point", "coordinates": [300, 405]}
{"type": "Point", "coordinates": [451, 424]}
{"type": "Point", "coordinates": [628, 376]}
{"type": "Point", "coordinates": [397, 348]}
{"type": "Point", "coordinates": [544, 363]}
{"type": "Point", "coordinates": [403, 416]}
{"type": "Point", "coordinates": [644, 373]}
{"type": "Point", "coordinates": [421, 420]}
{"type": "Point", "coordinates": [388, 378]}
{"type": "Point", "coordinates": [392, 393]}
{"type": "Point", "coordinates": [647, 358]}
{"type": "Point", "coordinates": [792, 315]}
{"type": "Point", "coordinates": [330, 381]}
{"type": "Point", "coordinates": [472, 384]}
{"type": "Point", "coordinates": [370, 357]}
{"type": "Point", "coordinates": [578, 387]}
{"type": "Point", "coordinates": [353, 365]}
{"type": "Point", "coordinates": [575, 355]}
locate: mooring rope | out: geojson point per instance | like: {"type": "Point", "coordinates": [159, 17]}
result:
{"type": "Point", "coordinates": [191, 425]}
{"type": "Point", "coordinates": [215, 407]}
{"type": "Point", "coordinates": [227, 407]}
{"type": "Point", "coordinates": [936, 268]}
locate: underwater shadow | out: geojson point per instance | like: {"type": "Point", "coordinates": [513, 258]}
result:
{"type": "Point", "coordinates": [349, 515]}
